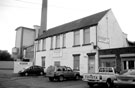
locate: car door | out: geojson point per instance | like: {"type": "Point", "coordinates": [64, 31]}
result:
{"type": "Point", "coordinates": [70, 72]}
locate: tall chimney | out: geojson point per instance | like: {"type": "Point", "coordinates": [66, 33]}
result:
{"type": "Point", "coordinates": [43, 17]}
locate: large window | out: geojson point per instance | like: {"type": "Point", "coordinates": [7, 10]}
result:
{"type": "Point", "coordinates": [44, 44]}
{"type": "Point", "coordinates": [51, 42]}
{"type": "Point", "coordinates": [76, 63]}
{"type": "Point", "coordinates": [64, 40]}
{"type": "Point", "coordinates": [76, 38]}
{"type": "Point", "coordinates": [58, 41]}
{"type": "Point", "coordinates": [86, 36]}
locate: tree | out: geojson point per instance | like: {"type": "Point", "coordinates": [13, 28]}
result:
{"type": "Point", "coordinates": [5, 56]}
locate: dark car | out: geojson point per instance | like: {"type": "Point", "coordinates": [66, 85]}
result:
{"type": "Point", "coordinates": [61, 73]}
{"type": "Point", "coordinates": [32, 70]}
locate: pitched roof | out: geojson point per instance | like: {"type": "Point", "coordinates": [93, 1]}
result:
{"type": "Point", "coordinates": [74, 25]}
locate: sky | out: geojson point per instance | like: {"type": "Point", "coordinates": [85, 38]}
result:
{"type": "Point", "coordinates": [15, 13]}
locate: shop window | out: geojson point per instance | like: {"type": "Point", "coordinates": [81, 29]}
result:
{"type": "Point", "coordinates": [131, 64]}
{"type": "Point", "coordinates": [125, 65]}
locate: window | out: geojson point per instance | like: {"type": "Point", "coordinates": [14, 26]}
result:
{"type": "Point", "coordinates": [76, 62]}
{"type": "Point", "coordinates": [51, 42]}
{"type": "Point", "coordinates": [57, 63]}
{"type": "Point", "coordinates": [58, 41]}
{"type": "Point", "coordinates": [43, 61]}
{"type": "Point", "coordinates": [38, 45]}
{"type": "Point", "coordinates": [44, 44]}
{"type": "Point", "coordinates": [86, 36]}
{"type": "Point", "coordinates": [131, 64]}
{"type": "Point", "coordinates": [64, 40]}
{"type": "Point", "coordinates": [76, 38]}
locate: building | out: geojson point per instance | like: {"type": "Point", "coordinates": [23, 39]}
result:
{"type": "Point", "coordinates": [76, 44]}
{"type": "Point", "coordinates": [121, 58]}
{"type": "Point", "coordinates": [25, 38]}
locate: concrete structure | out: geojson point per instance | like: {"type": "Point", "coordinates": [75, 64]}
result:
{"type": "Point", "coordinates": [24, 38]}
{"type": "Point", "coordinates": [77, 44]}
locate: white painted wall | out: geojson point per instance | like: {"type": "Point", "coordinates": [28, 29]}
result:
{"type": "Point", "coordinates": [65, 55]}
{"type": "Point", "coordinates": [109, 32]}
{"type": "Point", "coordinates": [18, 38]}
{"type": "Point", "coordinates": [28, 37]}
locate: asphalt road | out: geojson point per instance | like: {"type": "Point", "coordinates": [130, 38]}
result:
{"type": "Point", "coordinates": [38, 82]}
{"type": "Point", "coordinates": [10, 80]}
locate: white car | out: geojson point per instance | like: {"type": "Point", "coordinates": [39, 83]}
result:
{"type": "Point", "coordinates": [126, 78]}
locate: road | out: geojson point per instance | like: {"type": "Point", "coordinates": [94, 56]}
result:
{"type": "Point", "coordinates": [8, 80]}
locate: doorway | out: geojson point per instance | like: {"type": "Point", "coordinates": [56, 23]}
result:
{"type": "Point", "coordinates": [91, 63]}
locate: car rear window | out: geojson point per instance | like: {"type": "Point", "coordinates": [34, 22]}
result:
{"type": "Point", "coordinates": [50, 69]}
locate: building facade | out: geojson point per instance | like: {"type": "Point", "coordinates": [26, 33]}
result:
{"type": "Point", "coordinates": [77, 44]}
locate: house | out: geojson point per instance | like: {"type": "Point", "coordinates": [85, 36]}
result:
{"type": "Point", "coordinates": [76, 44]}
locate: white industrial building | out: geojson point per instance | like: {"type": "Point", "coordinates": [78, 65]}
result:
{"type": "Point", "coordinates": [76, 44]}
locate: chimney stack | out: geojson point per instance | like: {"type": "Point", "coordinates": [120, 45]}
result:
{"type": "Point", "coordinates": [43, 17]}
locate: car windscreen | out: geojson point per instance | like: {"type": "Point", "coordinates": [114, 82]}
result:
{"type": "Point", "coordinates": [128, 72]}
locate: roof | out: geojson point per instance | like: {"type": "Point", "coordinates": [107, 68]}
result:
{"type": "Point", "coordinates": [130, 43]}
{"type": "Point", "coordinates": [24, 28]}
{"type": "Point", "coordinates": [74, 25]}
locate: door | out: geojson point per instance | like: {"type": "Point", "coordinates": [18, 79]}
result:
{"type": "Point", "coordinates": [91, 63]}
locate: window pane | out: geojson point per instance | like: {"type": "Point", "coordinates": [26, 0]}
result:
{"type": "Point", "coordinates": [38, 46]}
{"type": "Point", "coordinates": [64, 40]}
{"type": "Point", "coordinates": [76, 37]}
{"type": "Point", "coordinates": [51, 42]}
{"type": "Point", "coordinates": [131, 64]}
{"type": "Point", "coordinates": [58, 41]}
{"type": "Point", "coordinates": [44, 44]}
{"type": "Point", "coordinates": [86, 36]}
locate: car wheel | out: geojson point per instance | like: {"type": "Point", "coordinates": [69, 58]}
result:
{"type": "Point", "coordinates": [77, 77]}
{"type": "Point", "coordinates": [51, 79]}
{"type": "Point", "coordinates": [26, 74]}
{"type": "Point", "coordinates": [90, 85]}
{"type": "Point", "coordinates": [61, 78]}
{"type": "Point", "coordinates": [109, 83]}
{"type": "Point", "coordinates": [41, 73]}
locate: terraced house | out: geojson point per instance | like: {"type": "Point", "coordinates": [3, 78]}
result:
{"type": "Point", "coordinates": [76, 44]}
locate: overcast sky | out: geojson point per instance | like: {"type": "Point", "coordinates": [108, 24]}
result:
{"type": "Point", "coordinates": [15, 13]}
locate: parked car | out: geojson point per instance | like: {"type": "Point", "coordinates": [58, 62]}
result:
{"type": "Point", "coordinates": [104, 76]}
{"type": "Point", "coordinates": [61, 73]}
{"type": "Point", "coordinates": [32, 70]}
{"type": "Point", "coordinates": [126, 78]}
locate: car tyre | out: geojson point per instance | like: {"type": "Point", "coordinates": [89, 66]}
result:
{"type": "Point", "coordinates": [77, 77]}
{"type": "Point", "coordinates": [51, 79]}
{"type": "Point", "coordinates": [61, 78]}
{"type": "Point", "coordinates": [26, 74]}
{"type": "Point", "coordinates": [90, 85]}
{"type": "Point", "coordinates": [109, 83]}
{"type": "Point", "coordinates": [41, 73]}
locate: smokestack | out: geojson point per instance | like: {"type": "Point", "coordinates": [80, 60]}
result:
{"type": "Point", "coordinates": [43, 17]}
